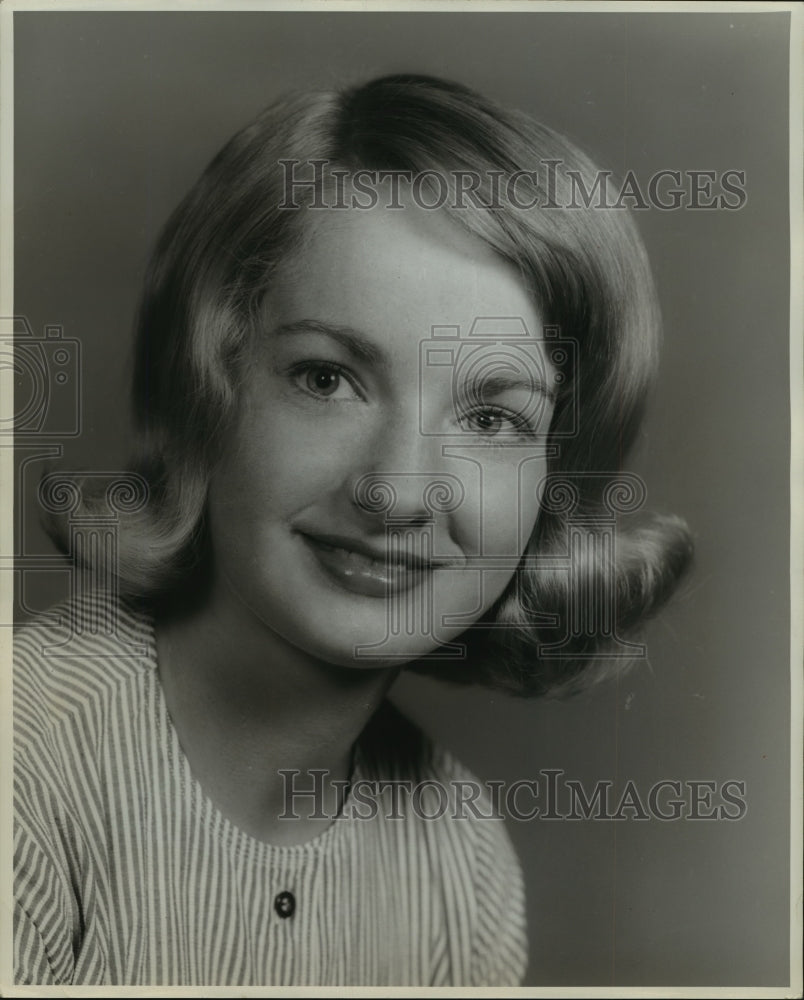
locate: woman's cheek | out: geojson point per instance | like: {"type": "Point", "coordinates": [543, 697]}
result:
{"type": "Point", "coordinates": [291, 445]}
{"type": "Point", "coordinates": [532, 488]}
{"type": "Point", "coordinates": [500, 506]}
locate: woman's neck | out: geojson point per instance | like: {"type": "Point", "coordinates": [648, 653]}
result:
{"type": "Point", "coordinates": [247, 705]}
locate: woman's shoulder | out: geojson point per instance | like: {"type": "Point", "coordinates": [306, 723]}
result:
{"type": "Point", "coordinates": [96, 625]}
{"type": "Point", "coordinates": [73, 656]}
{"type": "Point", "coordinates": [432, 781]}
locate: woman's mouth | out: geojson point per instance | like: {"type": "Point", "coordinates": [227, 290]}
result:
{"type": "Point", "coordinates": [406, 562]}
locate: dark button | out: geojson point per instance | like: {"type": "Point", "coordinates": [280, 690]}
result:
{"type": "Point", "coordinates": [285, 904]}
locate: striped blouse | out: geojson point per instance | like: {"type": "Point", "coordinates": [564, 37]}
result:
{"type": "Point", "coordinates": [127, 874]}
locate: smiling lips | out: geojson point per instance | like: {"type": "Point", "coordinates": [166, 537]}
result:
{"type": "Point", "coordinates": [365, 570]}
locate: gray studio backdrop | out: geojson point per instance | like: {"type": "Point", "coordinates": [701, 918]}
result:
{"type": "Point", "coordinates": [116, 114]}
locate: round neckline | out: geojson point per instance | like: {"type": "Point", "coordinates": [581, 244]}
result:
{"type": "Point", "coordinates": [202, 805]}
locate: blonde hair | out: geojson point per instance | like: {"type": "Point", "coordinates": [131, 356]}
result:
{"type": "Point", "coordinates": [586, 267]}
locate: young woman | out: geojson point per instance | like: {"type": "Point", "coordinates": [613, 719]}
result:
{"type": "Point", "coordinates": [387, 364]}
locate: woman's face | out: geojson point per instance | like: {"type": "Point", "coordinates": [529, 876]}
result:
{"type": "Point", "coordinates": [382, 479]}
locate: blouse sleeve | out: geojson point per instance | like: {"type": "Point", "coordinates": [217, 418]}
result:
{"type": "Point", "coordinates": [500, 950]}
{"type": "Point", "coordinates": [43, 900]}
{"type": "Point", "coordinates": [46, 913]}
{"type": "Point", "coordinates": [31, 961]}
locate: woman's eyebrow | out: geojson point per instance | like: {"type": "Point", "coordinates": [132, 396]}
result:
{"type": "Point", "coordinates": [494, 385]}
{"type": "Point", "coordinates": [355, 342]}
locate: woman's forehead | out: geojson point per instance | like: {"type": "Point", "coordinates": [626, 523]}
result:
{"type": "Point", "coordinates": [384, 267]}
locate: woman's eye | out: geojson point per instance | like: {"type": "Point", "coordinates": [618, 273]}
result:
{"type": "Point", "coordinates": [325, 381]}
{"type": "Point", "coordinates": [490, 422]}
{"type": "Point", "coordinates": [485, 422]}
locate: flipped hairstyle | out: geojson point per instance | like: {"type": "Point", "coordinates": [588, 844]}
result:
{"type": "Point", "coordinates": [586, 268]}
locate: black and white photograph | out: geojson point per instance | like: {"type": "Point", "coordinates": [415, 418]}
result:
{"type": "Point", "coordinates": [401, 477]}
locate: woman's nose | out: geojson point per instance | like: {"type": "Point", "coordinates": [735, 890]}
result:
{"type": "Point", "coordinates": [404, 480]}
{"type": "Point", "coordinates": [408, 498]}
